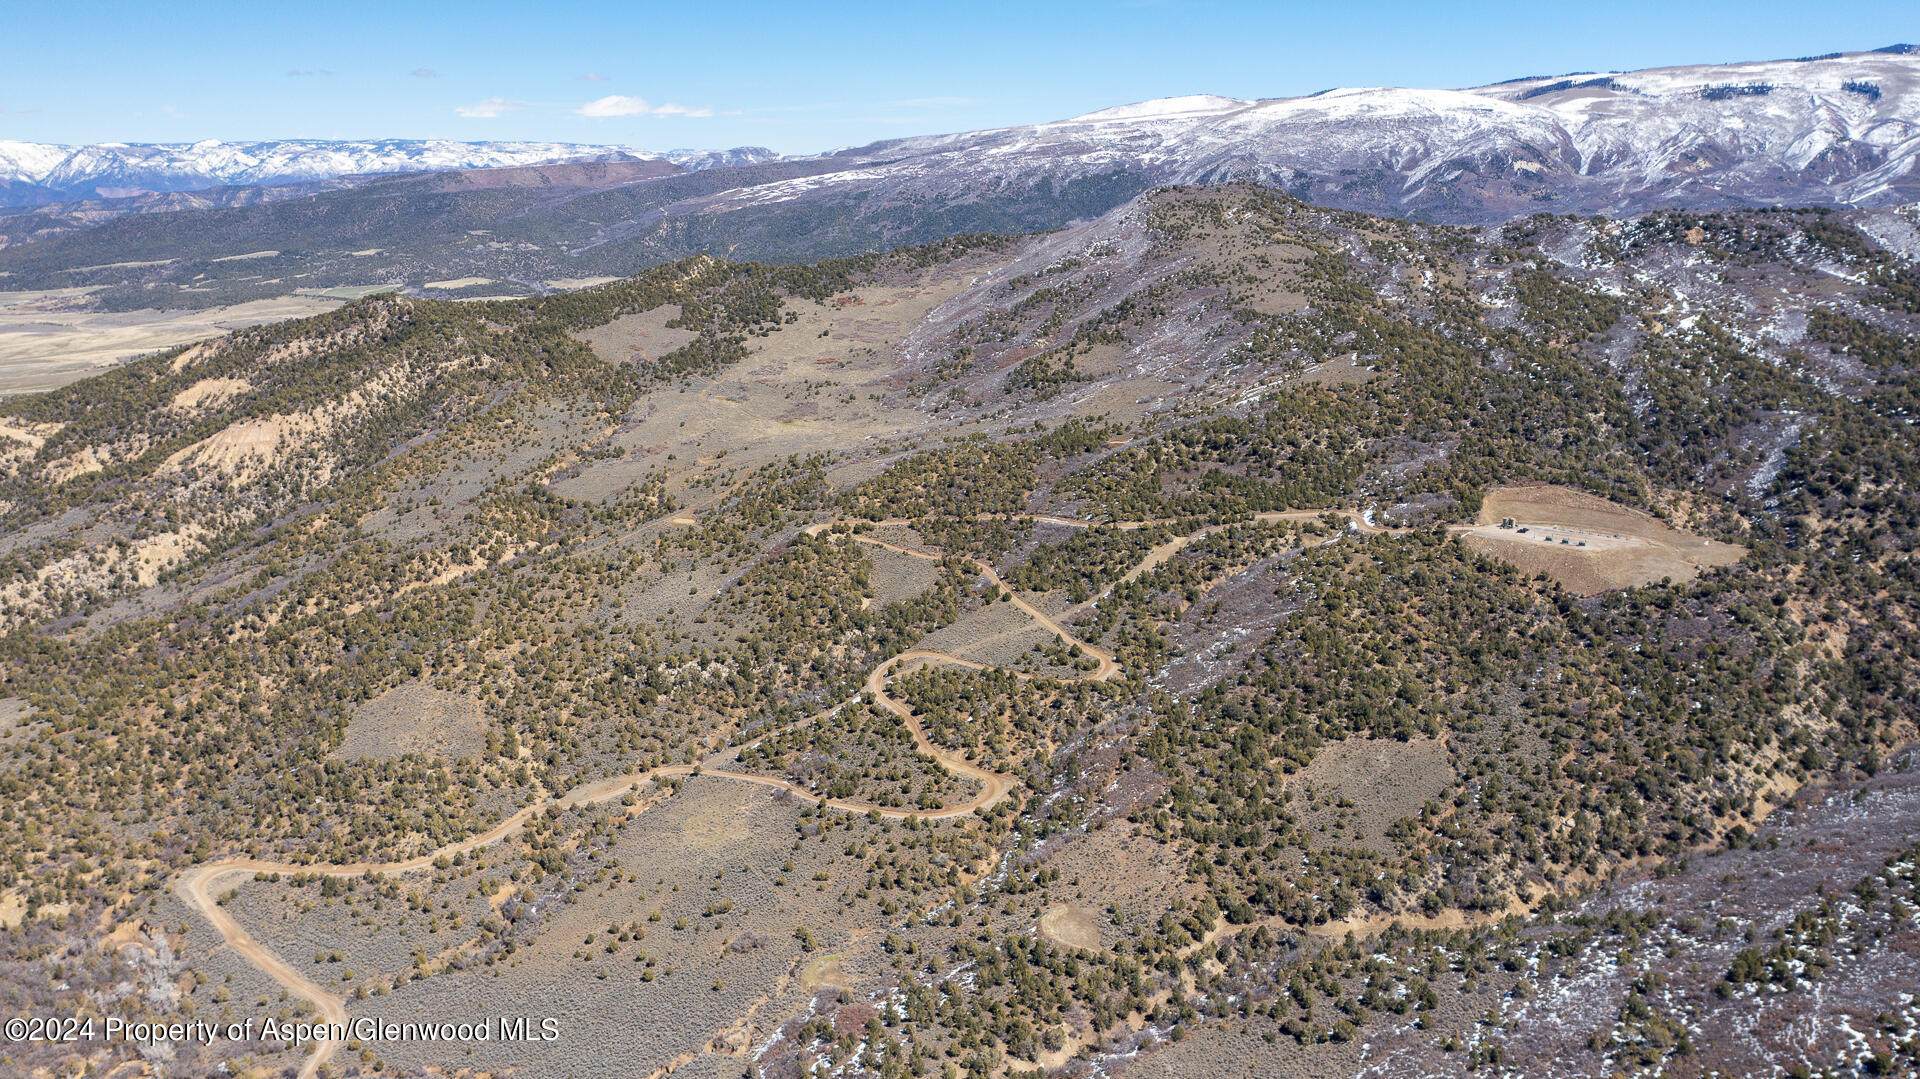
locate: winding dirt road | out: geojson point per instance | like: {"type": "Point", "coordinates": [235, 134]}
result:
{"type": "Point", "coordinates": [198, 886]}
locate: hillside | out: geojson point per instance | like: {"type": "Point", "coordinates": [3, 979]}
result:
{"type": "Point", "coordinates": [1225, 630]}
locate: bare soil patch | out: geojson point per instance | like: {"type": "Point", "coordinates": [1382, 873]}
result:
{"type": "Point", "coordinates": [15, 716]}
{"type": "Point", "coordinates": [1071, 925]}
{"type": "Point", "coordinates": [817, 385]}
{"type": "Point", "coordinates": [1588, 544]}
{"type": "Point", "coordinates": [1360, 786]}
{"type": "Point", "coordinates": [641, 336]}
{"type": "Point", "coordinates": [416, 718]}
{"type": "Point", "coordinates": [998, 635]}
{"type": "Point", "coordinates": [210, 392]}
{"type": "Point", "coordinates": [1338, 372]}
{"type": "Point", "coordinates": [896, 577]}
{"type": "Point", "coordinates": [1121, 879]}
{"type": "Point", "coordinates": [606, 480]}
{"type": "Point", "coordinates": [822, 971]}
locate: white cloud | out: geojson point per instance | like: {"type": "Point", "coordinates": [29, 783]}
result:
{"type": "Point", "coordinates": [593, 76]}
{"type": "Point", "coordinates": [614, 105]}
{"type": "Point", "coordinates": [424, 73]}
{"type": "Point", "coordinates": [488, 109]}
{"type": "Point", "coordinates": [173, 111]}
{"type": "Point", "coordinates": [309, 73]}
{"type": "Point", "coordinates": [625, 105]}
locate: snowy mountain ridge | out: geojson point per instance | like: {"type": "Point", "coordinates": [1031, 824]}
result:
{"type": "Point", "coordinates": [1842, 129]}
{"type": "Point", "coordinates": [35, 173]}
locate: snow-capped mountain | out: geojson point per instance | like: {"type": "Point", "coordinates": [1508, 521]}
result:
{"type": "Point", "coordinates": [36, 173]}
{"type": "Point", "coordinates": [1841, 129]}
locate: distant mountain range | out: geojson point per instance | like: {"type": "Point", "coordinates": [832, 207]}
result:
{"type": "Point", "coordinates": [1836, 129]}
{"type": "Point", "coordinates": [1839, 130]}
{"type": "Point", "coordinates": [1842, 128]}
{"type": "Point", "coordinates": [34, 174]}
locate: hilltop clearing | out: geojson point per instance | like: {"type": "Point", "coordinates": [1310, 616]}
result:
{"type": "Point", "coordinates": [1587, 544]}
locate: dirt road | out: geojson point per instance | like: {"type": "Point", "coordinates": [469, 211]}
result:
{"type": "Point", "coordinates": [198, 886]}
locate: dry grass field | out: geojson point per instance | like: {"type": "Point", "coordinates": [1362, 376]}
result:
{"type": "Point", "coordinates": [14, 715]}
{"type": "Point", "coordinates": [820, 385]}
{"type": "Point", "coordinates": [997, 635]}
{"type": "Point", "coordinates": [644, 335]}
{"type": "Point", "coordinates": [48, 339]}
{"type": "Point", "coordinates": [1356, 788]}
{"type": "Point", "coordinates": [896, 577]}
{"type": "Point", "coordinates": [416, 718]}
{"type": "Point", "coordinates": [718, 879]}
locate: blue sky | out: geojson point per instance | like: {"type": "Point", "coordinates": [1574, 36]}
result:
{"type": "Point", "coordinates": [802, 78]}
